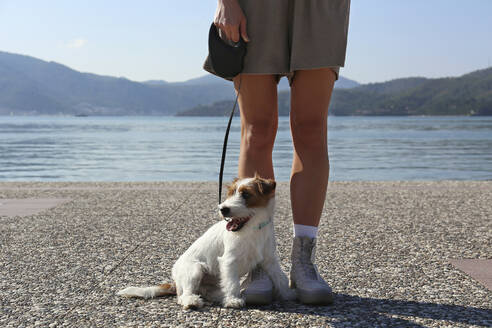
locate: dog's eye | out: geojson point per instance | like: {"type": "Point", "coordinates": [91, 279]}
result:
{"type": "Point", "coordinates": [245, 194]}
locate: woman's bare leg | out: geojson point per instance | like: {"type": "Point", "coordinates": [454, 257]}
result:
{"type": "Point", "coordinates": [259, 121]}
{"type": "Point", "coordinates": [310, 96]}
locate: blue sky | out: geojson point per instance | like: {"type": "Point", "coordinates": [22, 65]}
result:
{"type": "Point", "coordinates": [167, 39]}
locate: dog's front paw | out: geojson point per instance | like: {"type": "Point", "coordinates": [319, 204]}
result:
{"type": "Point", "coordinates": [233, 302]}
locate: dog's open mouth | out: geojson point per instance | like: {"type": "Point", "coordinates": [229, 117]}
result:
{"type": "Point", "coordinates": [235, 224]}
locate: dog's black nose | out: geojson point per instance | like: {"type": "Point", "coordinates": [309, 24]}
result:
{"type": "Point", "coordinates": [225, 210]}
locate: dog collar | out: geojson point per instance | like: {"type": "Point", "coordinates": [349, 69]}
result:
{"type": "Point", "coordinates": [264, 224]}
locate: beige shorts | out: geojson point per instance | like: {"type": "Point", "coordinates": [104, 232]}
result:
{"type": "Point", "coordinates": [290, 35]}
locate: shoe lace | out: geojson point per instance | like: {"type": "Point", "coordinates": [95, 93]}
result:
{"type": "Point", "coordinates": [304, 263]}
{"type": "Point", "coordinates": [308, 267]}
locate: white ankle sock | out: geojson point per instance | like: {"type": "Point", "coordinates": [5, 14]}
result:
{"type": "Point", "coordinates": [301, 230]}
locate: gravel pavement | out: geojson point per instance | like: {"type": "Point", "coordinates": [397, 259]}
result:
{"type": "Point", "coordinates": [384, 247]}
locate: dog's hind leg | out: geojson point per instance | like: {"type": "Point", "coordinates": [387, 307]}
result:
{"type": "Point", "coordinates": [189, 281]}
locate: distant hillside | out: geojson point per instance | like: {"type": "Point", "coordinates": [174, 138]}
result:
{"type": "Point", "coordinates": [29, 86]}
{"type": "Point", "coordinates": [470, 94]}
{"type": "Point", "coordinates": [32, 86]}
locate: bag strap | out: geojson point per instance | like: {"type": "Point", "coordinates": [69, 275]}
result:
{"type": "Point", "coordinates": [226, 137]}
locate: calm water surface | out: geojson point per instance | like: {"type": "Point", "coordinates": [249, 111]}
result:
{"type": "Point", "coordinates": [189, 148]}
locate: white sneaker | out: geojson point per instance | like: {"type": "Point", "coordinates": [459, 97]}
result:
{"type": "Point", "coordinates": [259, 289]}
{"type": "Point", "coordinates": [304, 276]}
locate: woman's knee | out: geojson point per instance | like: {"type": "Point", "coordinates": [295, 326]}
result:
{"type": "Point", "coordinates": [259, 135]}
{"type": "Point", "coordinates": [259, 111]}
{"type": "Point", "coordinates": [309, 133]}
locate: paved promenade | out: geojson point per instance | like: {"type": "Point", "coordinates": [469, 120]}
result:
{"type": "Point", "coordinates": [397, 254]}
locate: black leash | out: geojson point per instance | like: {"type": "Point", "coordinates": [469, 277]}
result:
{"type": "Point", "coordinates": [224, 147]}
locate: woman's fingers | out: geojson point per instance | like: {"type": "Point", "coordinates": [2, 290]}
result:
{"type": "Point", "coordinates": [242, 28]}
{"type": "Point", "coordinates": [228, 31]}
{"type": "Point", "coordinates": [233, 33]}
{"type": "Point", "coordinates": [230, 19]}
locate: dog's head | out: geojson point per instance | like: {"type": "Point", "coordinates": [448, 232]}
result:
{"type": "Point", "coordinates": [246, 199]}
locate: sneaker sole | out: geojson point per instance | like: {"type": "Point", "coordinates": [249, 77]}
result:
{"type": "Point", "coordinates": [313, 298]}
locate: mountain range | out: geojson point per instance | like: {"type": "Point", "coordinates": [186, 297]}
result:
{"type": "Point", "coordinates": [469, 94]}
{"type": "Point", "coordinates": [30, 86]}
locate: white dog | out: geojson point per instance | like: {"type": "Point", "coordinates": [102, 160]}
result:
{"type": "Point", "coordinates": [215, 262]}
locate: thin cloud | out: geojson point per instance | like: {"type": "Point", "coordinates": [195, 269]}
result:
{"type": "Point", "coordinates": [77, 43]}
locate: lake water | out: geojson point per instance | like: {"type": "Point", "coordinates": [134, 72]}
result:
{"type": "Point", "coordinates": [189, 148]}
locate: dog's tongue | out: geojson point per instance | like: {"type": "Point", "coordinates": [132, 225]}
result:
{"type": "Point", "coordinates": [231, 225]}
{"type": "Point", "coordinates": [236, 223]}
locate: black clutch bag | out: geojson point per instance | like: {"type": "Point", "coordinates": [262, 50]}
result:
{"type": "Point", "coordinates": [225, 58]}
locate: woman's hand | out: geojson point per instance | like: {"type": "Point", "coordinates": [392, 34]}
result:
{"type": "Point", "coordinates": [230, 18]}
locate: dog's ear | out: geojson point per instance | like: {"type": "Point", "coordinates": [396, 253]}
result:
{"type": "Point", "coordinates": [231, 188]}
{"type": "Point", "coordinates": [266, 186]}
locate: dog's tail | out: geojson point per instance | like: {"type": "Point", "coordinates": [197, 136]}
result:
{"type": "Point", "coordinates": [149, 292]}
